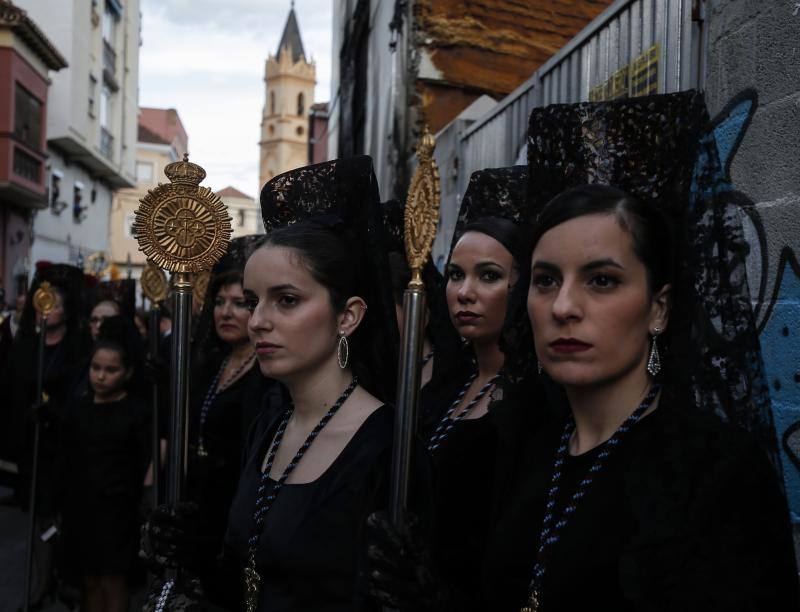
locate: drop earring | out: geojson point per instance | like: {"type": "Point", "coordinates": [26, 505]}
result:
{"type": "Point", "coordinates": [654, 361]}
{"type": "Point", "coordinates": [343, 351]}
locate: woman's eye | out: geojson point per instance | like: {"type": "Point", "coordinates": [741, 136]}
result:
{"type": "Point", "coordinates": [603, 281]}
{"type": "Point", "coordinates": [288, 300]}
{"type": "Point", "coordinates": [218, 303]}
{"type": "Point", "coordinates": [241, 304]}
{"type": "Point", "coordinates": [491, 276]}
{"type": "Point", "coordinates": [543, 281]}
{"type": "Point", "coordinates": [455, 275]}
{"type": "Point", "coordinates": [251, 304]}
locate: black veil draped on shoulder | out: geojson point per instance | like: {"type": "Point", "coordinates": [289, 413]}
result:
{"type": "Point", "coordinates": [343, 195]}
{"type": "Point", "coordinates": [661, 149]}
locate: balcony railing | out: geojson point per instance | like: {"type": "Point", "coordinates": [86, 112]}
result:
{"type": "Point", "coordinates": [106, 143]}
{"type": "Point", "coordinates": [27, 166]}
{"type": "Point", "coordinates": [109, 58]}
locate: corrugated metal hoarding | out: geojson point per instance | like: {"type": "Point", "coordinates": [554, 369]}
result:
{"type": "Point", "coordinates": [634, 47]}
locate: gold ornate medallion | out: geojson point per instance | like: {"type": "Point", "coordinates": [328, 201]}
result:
{"type": "Point", "coordinates": [422, 208]}
{"type": "Point", "coordinates": [44, 300]}
{"type": "Point", "coordinates": [154, 283]}
{"type": "Point", "coordinates": [98, 264]}
{"type": "Point", "coordinates": [181, 226]}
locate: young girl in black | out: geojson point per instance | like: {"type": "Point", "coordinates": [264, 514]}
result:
{"type": "Point", "coordinates": [105, 454]}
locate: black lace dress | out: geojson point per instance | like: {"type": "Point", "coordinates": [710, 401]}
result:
{"type": "Point", "coordinates": [311, 546]}
{"type": "Point", "coordinates": [687, 514]}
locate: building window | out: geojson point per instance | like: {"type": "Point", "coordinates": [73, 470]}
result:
{"type": "Point", "coordinates": [300, 131]}
{"type": "Point", "coordinates": [272, 103]}
{"type": "Point", "coordinates": [109, 24]}
{"type": "Point", "coordinates": [301, 104]}
{"type": "Point", "coordinates": [92, 95]}
{"type": "Point", "coordinates": [27, 118]}
{"type": "Point", "coordinates": [242, 216]}
{"type": "Point", "coordinates": [271, 129]}
{"type": "Point", "coordinates": [144, 172]}
{"type": "Point", "coordinates": [105, 106]}
{"type": "Point", "coordinates": [127, 229]}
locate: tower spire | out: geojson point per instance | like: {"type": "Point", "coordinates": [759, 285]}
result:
{"type": "Point", "coordinates": [291, 37]}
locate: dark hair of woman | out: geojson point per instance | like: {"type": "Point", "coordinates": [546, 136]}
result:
{"type": "Point", "coordinates": [650, 229]}
{"type": "Point", "coordinates": [505, 231]}
{"type": "Point", "coordinates": [332, 263]}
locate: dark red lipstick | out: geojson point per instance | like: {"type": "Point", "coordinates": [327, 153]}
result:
{"type": "Point", "coordinates": [569, 345]}
{"type": "Point", "coordinates": [466, 317]}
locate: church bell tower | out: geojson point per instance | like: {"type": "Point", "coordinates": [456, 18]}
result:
{"type": "Point", "coordinates": [290, 80]}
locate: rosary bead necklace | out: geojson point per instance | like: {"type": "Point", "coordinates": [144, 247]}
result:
{"type": "Point", "coordinates": [551, 533]}
{"type": "Point", "coordinates": [211, 395]}
{"type": "Point", "coordinates": [446, 424]}
{"type": "Point", "coordinates": [264, 500]}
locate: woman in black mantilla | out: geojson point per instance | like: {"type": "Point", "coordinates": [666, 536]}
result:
{"type": "Point", "coordinates": [322, 324]}
{"type": "Point", "coordinates": [458, 421]}
{"type": "Point", "coordinates": [639, 497]}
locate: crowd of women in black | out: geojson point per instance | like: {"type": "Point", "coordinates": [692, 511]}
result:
{"type": "Point", "coordinates": [594, 430]}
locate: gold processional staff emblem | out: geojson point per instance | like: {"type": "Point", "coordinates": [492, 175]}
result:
{"type": "Point", "coordinates": [181, 226]}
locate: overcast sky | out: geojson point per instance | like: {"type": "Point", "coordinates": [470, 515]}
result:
{"type": "Point", "coordinates": [205, 58]}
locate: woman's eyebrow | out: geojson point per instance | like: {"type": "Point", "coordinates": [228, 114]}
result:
{"type": "Point", "coordinates": [546, 265]}
{"type": "Point", "coordinates": [602, 263]}
{"type": "Point", "coordinates": [282, 287]}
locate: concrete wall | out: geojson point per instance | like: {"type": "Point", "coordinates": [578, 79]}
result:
{"type": "Point", "coordinates": [753, 83]}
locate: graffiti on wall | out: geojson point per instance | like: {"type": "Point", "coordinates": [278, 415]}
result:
{"type": "Point", "coordinates": [773, 233]}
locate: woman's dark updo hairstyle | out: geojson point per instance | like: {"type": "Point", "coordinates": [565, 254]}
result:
{"type": "Point", "coordinates": [650, 229]}
{"type": "Point", "coordinates": [325, 253]}
{"type": "Point", "coordinates": [505, 231]}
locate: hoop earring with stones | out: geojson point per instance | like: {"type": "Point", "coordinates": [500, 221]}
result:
{"type": "Point", "coordinates": [343, 351]}
{"type": "Point", "coordinates": [654, 361]}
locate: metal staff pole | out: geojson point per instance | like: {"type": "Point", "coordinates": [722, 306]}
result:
{"type": "Point", "coordinates": [154, 288]}
{"type": "Point", "coordinates": [153, 323]}
{"type": "Point", "coordinates": [179, 386]}
{"type": "Point", "coordinates": [43, 301]}
{"type": "Point", "coordinates": [421, 217]}
{"type": "Point", "coordinates": [183, 228]}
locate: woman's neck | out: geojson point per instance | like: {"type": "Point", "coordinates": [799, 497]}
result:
{"type": "Point", "coordinates": [314, 393]}
{"type": "Point", "coordinates": [490, 359]}
{"type": "Point", "coordinates": [600, 410]}
{"type": "Point", "coordinates": [427, 346]}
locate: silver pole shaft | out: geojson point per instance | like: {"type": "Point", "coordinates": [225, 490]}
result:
{"type": "Point", "coordinates": [405, 421]}
{"type": "Point", "coordinates": [35, 465]}
{"type": "Point", "coordinates": [156, 438]}
{"type": "Point", "coordinates": [179, 388]}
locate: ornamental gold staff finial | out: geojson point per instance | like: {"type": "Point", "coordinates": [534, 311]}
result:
{"type": "Point", "coordinates": [421, 217]}
{"type": "Point", "coordinates": [44, 299]}
{"type": "Point", "coordinates": [184, 228]}
{"type": "Point", "coordinates": [422, 209]}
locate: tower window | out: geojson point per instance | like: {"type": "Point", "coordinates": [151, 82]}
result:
{"type": "Point", "coordinates": [300, 130]}
{"type": "Point", "coordinates": [271, 130]}
{"type": "Point", "coordinates": [301, 104]}
{"type": "Point", "coordinates": [272, 103]}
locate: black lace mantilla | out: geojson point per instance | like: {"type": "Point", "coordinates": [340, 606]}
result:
{"type": "Point", "coordinates": [661, 149]}
{"type": "Point", "coordinates": [493, 192]}
{"type": "Point", "coordinates": [343, 195]}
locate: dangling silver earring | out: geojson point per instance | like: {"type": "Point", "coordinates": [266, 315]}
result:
{"type": "Point", "coordinates": [539, 366]}
{"type": "Point", "coordinates": [343, 351]}
{"type": "Point", "coordinates": [654, 361]}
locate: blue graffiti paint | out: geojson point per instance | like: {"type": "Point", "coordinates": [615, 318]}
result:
{"type": "Point", "coordinates": [728, 133]}
{"type": "Point", "coordinates": [780, 348]}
